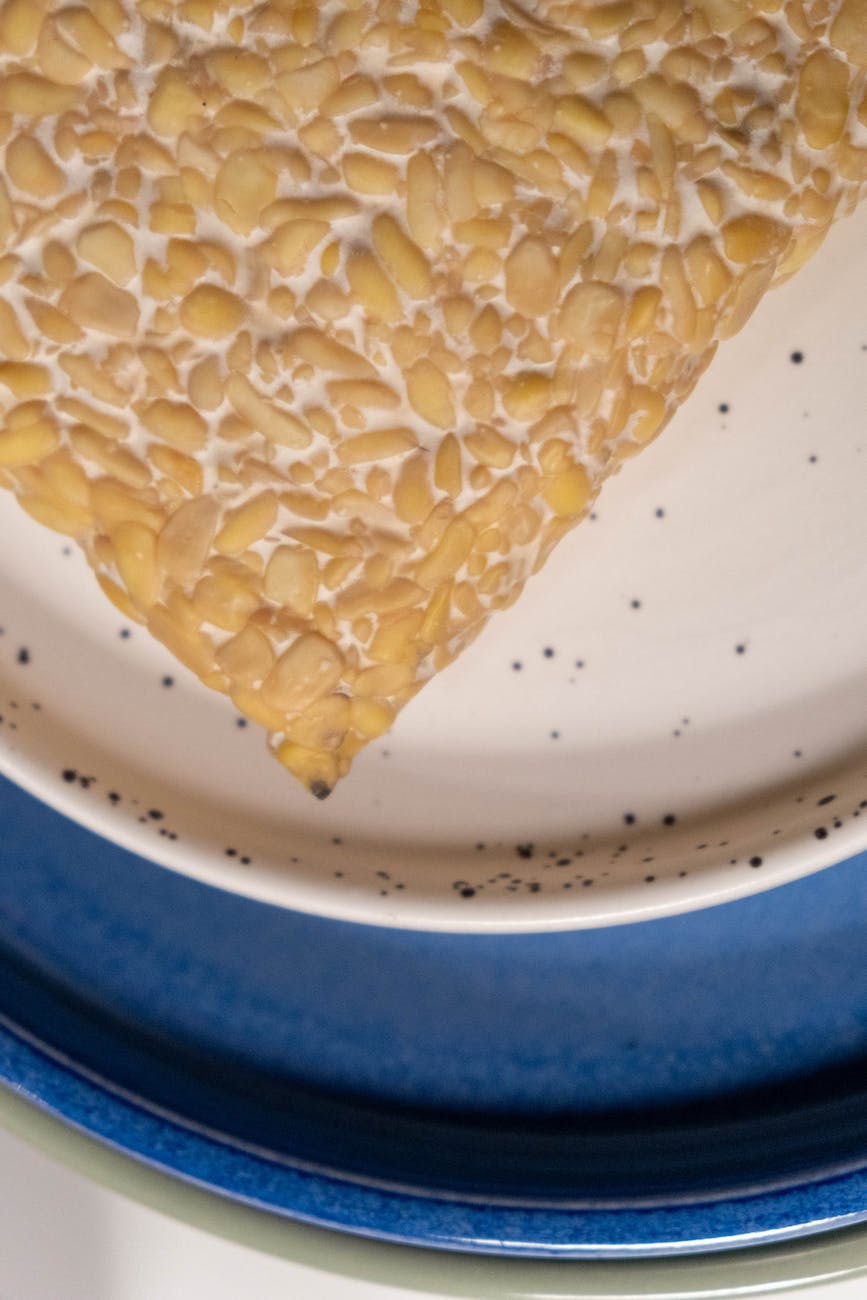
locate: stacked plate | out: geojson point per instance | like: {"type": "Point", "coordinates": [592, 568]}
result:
{"type": "Point", "coordinates": [415, 1012]}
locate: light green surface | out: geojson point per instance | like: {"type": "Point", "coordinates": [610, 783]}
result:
{"type": "Point", "coordinates": [766, 1271]}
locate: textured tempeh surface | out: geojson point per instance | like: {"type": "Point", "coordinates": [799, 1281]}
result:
{"type": "Point", "coordinates": [321, 324]}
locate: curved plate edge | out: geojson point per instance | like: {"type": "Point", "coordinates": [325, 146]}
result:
{"type": "Point", "coordinates": [165, 1154]}
{"type": "Point", "coordinates": [713, 886]}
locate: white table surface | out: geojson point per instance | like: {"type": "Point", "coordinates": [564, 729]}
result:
{"type": "Point", "coordinates": [65, 1238]}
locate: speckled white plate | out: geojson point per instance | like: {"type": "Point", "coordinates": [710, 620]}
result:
{"type": "Point", "coordinates": [675, 713]}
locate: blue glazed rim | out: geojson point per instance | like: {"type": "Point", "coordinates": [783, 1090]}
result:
{"type": "Point", "coordinates": [98, 962]}
{"type": "Point", "coordinates": [818, 1259]}
{"type": "Point", "coordinates": [320, 1197]}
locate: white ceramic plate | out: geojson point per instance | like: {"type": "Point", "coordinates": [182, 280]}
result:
{"type": "Point", "coordinates": [691, 692]}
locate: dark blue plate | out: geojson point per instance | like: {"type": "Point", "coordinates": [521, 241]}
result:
{"type": "Point", "coordinates": [683, 1084]}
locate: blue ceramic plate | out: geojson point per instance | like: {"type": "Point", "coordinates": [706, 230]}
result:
{"type": "Point", "coordinates": [681, 1084]}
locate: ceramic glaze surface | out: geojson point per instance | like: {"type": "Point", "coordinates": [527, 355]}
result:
{"type": "Point", "coordinates": [686, 1083]}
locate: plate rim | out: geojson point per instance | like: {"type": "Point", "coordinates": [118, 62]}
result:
{"type": "Point", "coordinates": [81, 1099]}
{"type": "Point", "coordinates": [51, 1080]}
{"type": "Point", "coordinates": [708, 887]}
{"type": "Point", "coordinates": [834, 1256]}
